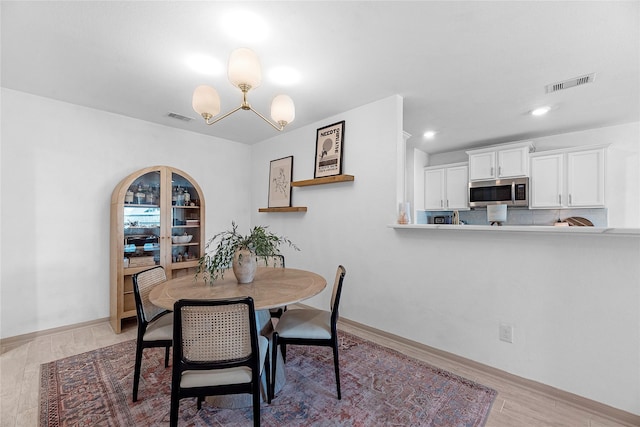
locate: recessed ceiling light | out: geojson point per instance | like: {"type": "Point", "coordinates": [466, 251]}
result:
{"type": "Point", "coordinates": [429, 134]}
{"type": "Point", "coordinates": [284, 76]}
{"type": "Point", "coordinates": [541, 111]}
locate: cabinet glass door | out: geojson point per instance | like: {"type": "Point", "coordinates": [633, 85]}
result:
{"type": "Point", "coordinates": [142, 222]}
{"type": "Point", "coordinates": [185, 223]}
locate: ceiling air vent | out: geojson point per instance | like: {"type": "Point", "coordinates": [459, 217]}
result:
{"type": "Point", "coordinates": [566, 84]}
{"type": "Point", "coordinates": [179, 117]}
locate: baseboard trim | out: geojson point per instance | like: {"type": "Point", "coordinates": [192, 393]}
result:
{"type": "Point", "coordinates": [11, 342]}
{"type": "Point", "coordinates": [614, 414]}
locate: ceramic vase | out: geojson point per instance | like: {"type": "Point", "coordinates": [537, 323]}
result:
{"type": "Point", "coordinates": [244, 265]}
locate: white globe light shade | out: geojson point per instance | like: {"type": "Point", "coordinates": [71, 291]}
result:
{"type": "Point", "coordinates": [206, 100]}
{"type": "Point", "coordinates": [282, 109]}
{"type": "Point", "coordinates": [244, 68]}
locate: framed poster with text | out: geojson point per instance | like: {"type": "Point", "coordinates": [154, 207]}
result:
{"type": "Point", "coordinates": [329, 141]}
{"type": "Point", "coordinates": [280, 172]}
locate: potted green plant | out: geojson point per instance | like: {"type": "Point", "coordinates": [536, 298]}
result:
{"type": "Point", "coordinates": [231, 249]}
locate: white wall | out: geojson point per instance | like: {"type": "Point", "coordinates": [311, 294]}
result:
{"type": "Point", "coordinates": [60, 163]}
{"type": "Point", "coordinates": [574, 301]}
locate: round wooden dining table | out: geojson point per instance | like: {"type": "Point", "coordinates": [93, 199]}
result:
{"type": "Point", "coordinates": [271, 288]}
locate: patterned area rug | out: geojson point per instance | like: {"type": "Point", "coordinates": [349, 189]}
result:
{"type": "Point", "coordinates": [380, 387]}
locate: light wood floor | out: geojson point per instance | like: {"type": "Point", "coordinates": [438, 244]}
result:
{"type": "Point", "coordinates": [514, 406]}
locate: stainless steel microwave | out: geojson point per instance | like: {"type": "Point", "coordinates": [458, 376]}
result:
{"type": "Point", "coordinates": [510, 192]}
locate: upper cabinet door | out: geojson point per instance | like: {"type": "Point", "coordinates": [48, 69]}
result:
{"type": "Point", "coordinates": [457, 193]}
{"type": "Point", "coordinates": [547, 181]}
{"type": "Point", "coordinates": [482, 166]}
{"type": "Point", "coordinates": [585, 178]}
{"type": "Point", "coordinates": [434, 189]}
{"type": "Point", "coordinates": [513, 162]}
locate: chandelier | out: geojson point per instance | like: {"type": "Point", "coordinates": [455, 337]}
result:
{"type": "Point", "coordinates": [244, 73]}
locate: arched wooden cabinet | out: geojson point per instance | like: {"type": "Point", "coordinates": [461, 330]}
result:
{"type": "Point", "coordinates": [153, 213]}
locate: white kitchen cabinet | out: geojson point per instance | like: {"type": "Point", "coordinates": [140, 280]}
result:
{"type": "Point", "coordinates": [446, 187]}
{"type": "Point", "coordinates": [505, 161]}
{"type": "Point", "coordinates": [585, 178]}
{"type": "Point", "coordinates": [547, 179]}
{"type": "Point", "coordinates": [568, 178]}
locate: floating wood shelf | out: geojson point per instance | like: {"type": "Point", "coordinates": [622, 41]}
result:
{"type": "Point", "coordinates": [284, 209]}
{"type": "Point", "coordinates": [325, 180]}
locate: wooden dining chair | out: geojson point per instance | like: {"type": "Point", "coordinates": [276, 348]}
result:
{"type": "Point", "coordinates": [217, 351]}
{"type": "Point", "coordinates": [275, 261]}
{"type": "Point", "coordinates": [155, 324]}
{"type": "Point", "coordinates": [310, 327]}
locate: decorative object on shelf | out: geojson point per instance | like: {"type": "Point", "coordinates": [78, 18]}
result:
{"type": "Point", "coordinates": [280, 172]}
{"type": "Point", "coordinates": [231, 249]}
{"type": "Point", "coordinates": [329, 142]}
{"type": "Point", "coordinates": [496, 214]}
{"type": "Point", "coordinates": [244, 73]}
{"type": "Point", "coordinates": [404, 213]}
{"type": "Point", "coordinates": [579, 221]}
{"type": "Point", "coordinates": [185, 238]}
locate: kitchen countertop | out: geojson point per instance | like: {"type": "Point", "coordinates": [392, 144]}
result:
{"type": "Point", "coordinates": [523, 228]}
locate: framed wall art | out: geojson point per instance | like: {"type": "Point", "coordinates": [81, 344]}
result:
{"type": "Point", "coordinates": [329, 142]}
{"type": "Point", "coordinates": [280, 173]}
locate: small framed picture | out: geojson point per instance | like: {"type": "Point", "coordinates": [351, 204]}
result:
{"type": "Point", "coordinates": [329, 142]}
{"type": "Point", "coordinates": [280, 174]}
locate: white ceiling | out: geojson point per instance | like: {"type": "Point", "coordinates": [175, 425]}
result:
{"type": "Point", "coordinates": [469, 70]}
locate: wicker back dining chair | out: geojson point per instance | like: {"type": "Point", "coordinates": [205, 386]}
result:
{"type": "Point", "coordinates": [217, 351]}
{"type": "Point", "coordinates": [275, 261]}
{"type": "Point", "coordinates": [310, 327]}
{"type": "Point", "coordinates": [155, 324]}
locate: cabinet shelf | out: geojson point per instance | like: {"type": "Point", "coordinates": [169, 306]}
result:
{"type": "Point", "coordinates": [325, 180]}
{"type": "Point", "coordinates": [141, 205]}
{"type": "Point", "coordinates": [284, 209]}
{"type": "Point", "coordinates": [184, 264]}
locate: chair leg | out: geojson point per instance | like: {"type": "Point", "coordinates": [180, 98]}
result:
{"type": "Point", "coordinates": [267, 376]}
{"type": "Point", "coordinates": [166, 357]}
{"type": "Point", "coordinates": [337, 366]}
{"type": "Point", "coordinates": [199, 402]}
{"type": "Point", "coordinates": [175, 406]}
{"type": "Point", "coordinates": [274, 363]}
{"type": "Point", "coordinates": [256, 406]}
{"type": "Point", "coordinates": [136, 371]}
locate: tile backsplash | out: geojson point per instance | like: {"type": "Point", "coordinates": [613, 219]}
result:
{"type": "Point", "coordinates": [520, 216]}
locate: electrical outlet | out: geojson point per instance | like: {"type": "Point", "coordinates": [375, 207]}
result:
{"type": "Point", "coordinates": [505, 333]}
